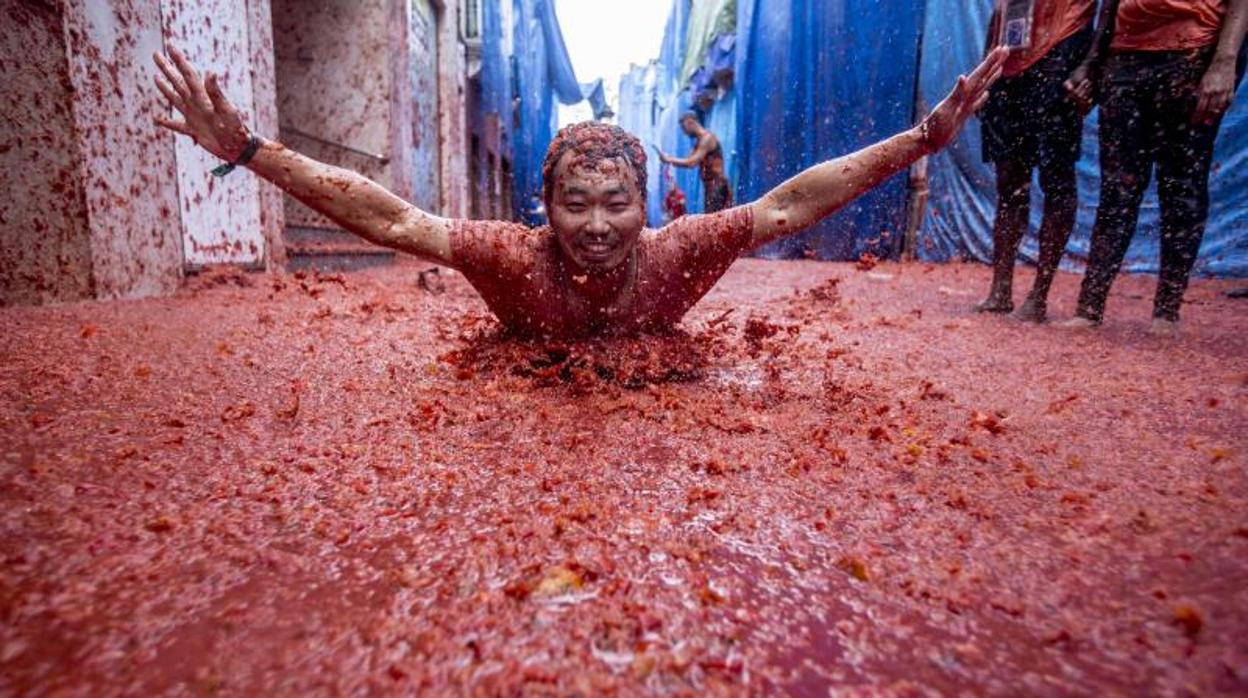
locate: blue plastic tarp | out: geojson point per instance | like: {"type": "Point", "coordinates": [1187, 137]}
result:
{"type": "Point", "coordinates": [495, 76]}
{"type": "Point", "coordinates": [542, 73]}
{"type": "Point", "coordinates": [596, 95]}
{"type": "Point", "coordinates": [534, 117]}
{"type": "Point", "coordinates": [562, 76]}
{"type": "Point", "coordinates": [720, 59]}
{"type": "Point", "coordinates": [963, 191]}
{"type": "Point", "coordinates": [818, 79]}
{"type": "Point", "coordinates": [654, 97]}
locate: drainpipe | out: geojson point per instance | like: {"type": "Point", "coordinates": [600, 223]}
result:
{"type": "Point", "coordinates": [916, 201]}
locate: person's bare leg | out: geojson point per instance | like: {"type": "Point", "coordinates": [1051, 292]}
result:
{"type": "Point", "coordinates": [1127, 138]}
{"type": "Point", "coordinates": [1060, 205]}
{"type": "Point", "coordinates": [1013, 209]}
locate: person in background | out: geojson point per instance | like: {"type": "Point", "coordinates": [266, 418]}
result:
{"type": "Point", "coordinates": [707, 154]}
{"type": "Point", "coordinates": [596, 269]}
{"type": "Point", "coordinates": [675, 203]}
{"type": "Point", "coordinates": [1030, 123]}
{"type": "Point", "coordinates": [535, 212]}
{"type": "Point", "coordinates": [1164, 72]}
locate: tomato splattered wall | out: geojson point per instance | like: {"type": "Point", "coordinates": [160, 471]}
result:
{"type": "Point", "coordinates": [358, 88]}
{"type": "Point", "coordinates": [95, 208]}
{"type": "Point", "coordinates": [264, 86]}
{"type": "Point", "coordinates": [334, 82]}
{"type": "Point", "coordinates": [45, 251]}
{"type": "Point", "coordinates": [130, 184]}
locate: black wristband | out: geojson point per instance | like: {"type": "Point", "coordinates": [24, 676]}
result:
{"type": "Point", "coordinates": [249, 152]}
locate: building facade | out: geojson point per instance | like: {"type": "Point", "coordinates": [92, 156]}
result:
{"type": "Point", "coordinates": [103, 204]}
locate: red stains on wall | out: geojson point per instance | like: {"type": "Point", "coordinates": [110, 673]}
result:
{"type": "Point", "coordinates": [104, 204]}
{"type": "Point", "coordinates": [334, 83]}
{"type": "Point", "coordinates": [265, 121]}
{"type": "Point", "coordinates": [220, 217]}
{"type": "Point", "coordinates": [453, 114]}
{"type": "Point", "coordinates": [127, 164]}
{"type": "Point", "coordinates": [45, 250]}
{"type": "Point", "coordinates": [393, 86]}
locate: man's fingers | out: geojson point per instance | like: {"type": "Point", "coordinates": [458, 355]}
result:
{"type": "Point", "coordinates": [1201, 114]}
{"type": "Point", "coordinates": [991, 61]}
{"type": "Point", "coordinates": [979, 103]}
{"type": "Point", "coordinates": [175, 78]}
{"type": "Point", "coordinates": [1223, 104]}
{"type": "Point", "coordinates": [988, 71]}
{"type": "Point", "coordinates": [1080, 93]}
{"type": "Point", "coordinates": [195, 86]}
{"type": "Point", "coordinates": [1209, 108]}
{"type": "Point", "coordinates": [1219, 103]}
{"type": "Point", "coordinates": [170, 94]}
{"type": "Point", "coordinates": [219, 102]}
{"type": "Point", "coordinates": [173, 125]}
{"type": "Point", "coordinates": [992, 79]}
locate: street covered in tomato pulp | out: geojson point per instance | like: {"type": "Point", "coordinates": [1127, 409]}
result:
{"type": "Point", "coordinates": [832, 475]}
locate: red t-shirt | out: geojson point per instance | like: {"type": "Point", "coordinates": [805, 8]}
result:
{"type": "Point", "coordinates": [521, 274]}
{"type": "Point", "coordinates": [1053, 22]}
{"type": "Point", "coordinates": [1168, 25]}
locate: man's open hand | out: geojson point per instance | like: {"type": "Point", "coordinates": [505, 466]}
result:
{"type": "Point", "coordinates": [207, 116]}
{"type": "Point", "coordinates": [970, 94]}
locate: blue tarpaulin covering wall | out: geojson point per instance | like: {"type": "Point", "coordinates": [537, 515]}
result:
{"type": "Point", "coordinates": [815, 79]}
{"type": "Point", "coordinates": [819, 79]}
{"type": "Point", "coordinates": [963, 189]}
{"type": "Point", "coordinates": [496, 68]}
{"type": "Point", "coordinates": [792, 103]}
{"type": "Point", "coordinates": [536, 75]}
{"type": "Point", "coordinates": [652, 100]}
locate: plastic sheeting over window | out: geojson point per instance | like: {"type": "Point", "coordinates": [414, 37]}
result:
{"type": "Point", "coordinates": [596, 95]}
{"type": "Point", "coordinates": [562, 76]}
{"type": "Point", "coordinates": [963, 190]}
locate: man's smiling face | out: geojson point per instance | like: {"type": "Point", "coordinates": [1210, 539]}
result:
{"type": "Point", "coordinates": [597, 211]}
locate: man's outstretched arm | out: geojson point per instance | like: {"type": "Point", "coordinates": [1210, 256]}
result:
{"type": "Point", "coordinates": [351, 200]}
{"type": "Point", "coordinates": [695, 158]}
{"type": "Point", "coordinates": [823, 189]}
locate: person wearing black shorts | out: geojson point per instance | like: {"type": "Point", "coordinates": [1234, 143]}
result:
{"type": "Point", "coordinates": [1029, 123]}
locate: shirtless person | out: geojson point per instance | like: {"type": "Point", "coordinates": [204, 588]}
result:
{"type": "Point", "coordinates": [595, 269]}
{"type": "Point", "coordinates": [709, 155]}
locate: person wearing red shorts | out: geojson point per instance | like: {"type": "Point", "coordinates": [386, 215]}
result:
{"type": "Point", "coordinates": [595, 269]}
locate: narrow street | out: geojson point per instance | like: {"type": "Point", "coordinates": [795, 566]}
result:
{"type": "Point", "coordinates": [284, 484]}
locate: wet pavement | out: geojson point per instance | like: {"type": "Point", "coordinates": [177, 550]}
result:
{"type": "Point", "coordinates": [831, 477]}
